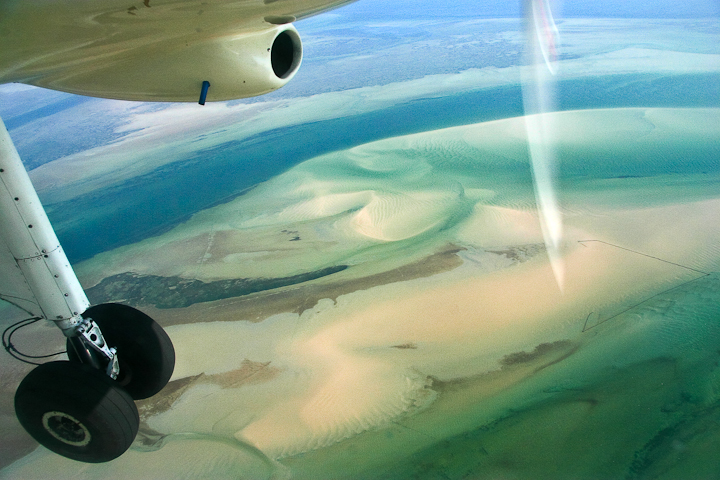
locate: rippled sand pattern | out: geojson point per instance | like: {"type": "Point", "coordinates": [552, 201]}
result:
{"type": "Point", "coordinates": [482, 370]}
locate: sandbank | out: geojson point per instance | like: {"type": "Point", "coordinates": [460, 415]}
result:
{"type": "Point", "coordinates": [398, 200]}
{"type": "Point", "coordinates": [375, 366]}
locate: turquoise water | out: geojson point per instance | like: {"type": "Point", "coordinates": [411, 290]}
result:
{"type": "Point", "coordinates": [637, 400]}
{"type": "Point", "coordinates": [151, 204]}
{"type": "Point", "coordinates": [632, 395]}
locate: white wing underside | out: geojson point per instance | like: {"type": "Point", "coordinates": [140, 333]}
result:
{"type": "Point", "coordinates": [157, 50]}
{"type": "Point", "coordinates": [151, 50]}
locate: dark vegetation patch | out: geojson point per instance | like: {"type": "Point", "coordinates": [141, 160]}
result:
{"type": "Point", "coordinates": [539, 351]}
{"type": "Point", "coordinates": [521, 253]}
{"type": "Point", "coordinates": [406, 346]}
{"type": "Point", "coordinates": [177, 292]}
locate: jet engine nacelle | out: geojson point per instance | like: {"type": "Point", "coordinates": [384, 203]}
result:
{"type": "Point", "coordinates": [247, 65]}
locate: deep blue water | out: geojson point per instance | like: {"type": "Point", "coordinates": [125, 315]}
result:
{"type": "Point", "coordinates": [66, 103]}
{"type": "Point", "coordinates": [151, 204]}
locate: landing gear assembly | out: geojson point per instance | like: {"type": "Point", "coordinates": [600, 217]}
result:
{"type": "Point", "coordinates": [83, 408]}
{"type": "Point", "coordinates": [147, 358]}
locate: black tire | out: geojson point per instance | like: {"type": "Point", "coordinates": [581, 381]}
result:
{"type": "Point", "coordinates": [145, 352]}
{"type": "Point", "coordinates": [77, 412]}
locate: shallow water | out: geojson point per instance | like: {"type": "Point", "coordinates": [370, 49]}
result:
{"type": "Point", "coordinates": [151, 204]}
{"type": "Point", "coordinates": [636, 397]}
{"type": "Point", "coordinates": [478, 368]}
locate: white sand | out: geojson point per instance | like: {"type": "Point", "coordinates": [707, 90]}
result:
{"type": "Point", "coordinates": [473, 178]}
{"type": "Point", "coordinates": [340, 374]}
{"type": "Point", "coordinates": [351, 380]}
{"type": "Point", "coordinates": [340, 371]}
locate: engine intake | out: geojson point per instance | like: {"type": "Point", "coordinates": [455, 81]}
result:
{"type": "Point", "coordinates": [236, 67]}
{"type": "Point", "coordinates": [286, 54]}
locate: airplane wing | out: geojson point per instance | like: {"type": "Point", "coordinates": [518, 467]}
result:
{"type": "Point", "coordinates": [154, 50]}
{"type": "Point", "coordinates": [148, 50]}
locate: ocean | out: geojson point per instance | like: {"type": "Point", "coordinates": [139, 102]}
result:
{"type": "Point", "coordinates": [151, 204]}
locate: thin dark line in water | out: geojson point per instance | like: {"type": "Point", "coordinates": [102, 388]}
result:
{"type": "Point", "coordinates": [638, 304]}
{"type": "Point", "coordinates": [420, 432]}
{"type": "Point", "coordinates": [645, 255]}
{"type": "Point", "coordinates": [585, 324]}
{"type": "Point", "coordinates": [704, 274]}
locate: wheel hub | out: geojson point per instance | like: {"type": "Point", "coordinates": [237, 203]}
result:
{"type": "Point", "coordinates": [66, 428]}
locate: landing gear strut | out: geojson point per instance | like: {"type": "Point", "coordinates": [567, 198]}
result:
{"type": "Point", "coordinates": [82, 409]}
